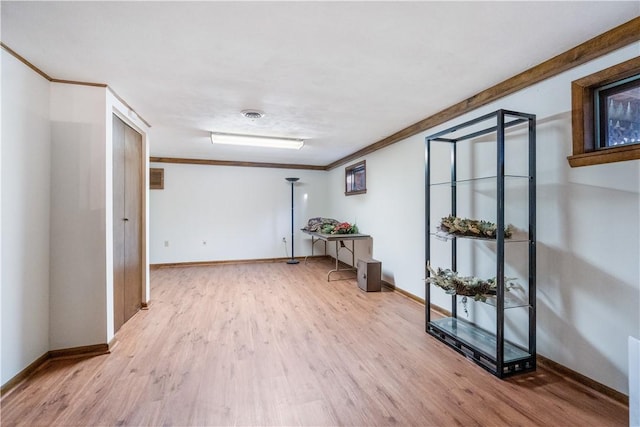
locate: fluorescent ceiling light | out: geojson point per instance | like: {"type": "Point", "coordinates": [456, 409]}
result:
{"type": "Point", "coordinates": [256, 141]}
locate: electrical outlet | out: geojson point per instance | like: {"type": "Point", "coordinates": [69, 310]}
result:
{"type": "Point", "coordinates": [166, 243]}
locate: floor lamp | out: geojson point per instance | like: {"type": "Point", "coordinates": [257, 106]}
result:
{"type": "Point", "coordinates": [292, 260]}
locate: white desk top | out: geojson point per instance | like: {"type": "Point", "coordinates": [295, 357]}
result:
{"type": "Point", "coordinates": [332, 237]}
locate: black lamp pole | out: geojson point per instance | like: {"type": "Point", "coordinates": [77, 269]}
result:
{"type": "Point", "coordinates": [292, 260]}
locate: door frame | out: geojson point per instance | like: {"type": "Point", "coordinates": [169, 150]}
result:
{"type": "Point", "coordinates": [117, 107]}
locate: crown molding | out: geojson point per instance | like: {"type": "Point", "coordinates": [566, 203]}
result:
{"type": "Point", "coordinates": [70, 82]}
{"type": "Point", "coordinates": [233, 163]}
{"type": "Point", "coordinates": [25, 62]}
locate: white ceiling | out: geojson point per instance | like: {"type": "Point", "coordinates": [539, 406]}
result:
{"type": "Point", "coordinates": [341, 75]}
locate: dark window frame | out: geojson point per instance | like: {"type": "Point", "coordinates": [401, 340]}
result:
{"type": "Point", "coordinates": [586, 150]}
{"type": "Point", "coordinates": [355, 178]}
{"type": "Point", "coordinates": [603, 95]}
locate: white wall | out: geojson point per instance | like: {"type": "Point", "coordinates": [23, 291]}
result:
{"type": "Point", "coordinates": [78, 245]}
{"type": "Point", "coordinates": [392, 211]}
{"type": "Point", "coordinates": [588, 230]}
{"type": "Point", "coordinates": [240, 212]}
{"type": "Point", "coordinates": [25, 217]}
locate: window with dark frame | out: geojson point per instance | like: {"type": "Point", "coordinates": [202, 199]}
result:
{"type": "Point", "coordinates": [606, 115]}
{"type": "Point", "coordinates": [355, 178]}
{"type": "Point", "coordinates": [618, 113]}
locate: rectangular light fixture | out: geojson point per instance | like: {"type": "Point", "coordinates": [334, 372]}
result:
{"type": "Point", "coordinates": [256, 141]}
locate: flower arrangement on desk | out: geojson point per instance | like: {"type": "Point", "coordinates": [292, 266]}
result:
{"type": "Point", "coordinates": [344, 228]}
{"type": "Point", "coordinates": [330, 226]}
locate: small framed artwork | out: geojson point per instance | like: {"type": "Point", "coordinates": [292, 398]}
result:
{"type": "Point", "coordinates": [355, 178]}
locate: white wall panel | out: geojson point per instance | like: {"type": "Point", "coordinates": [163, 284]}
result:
{"type": "Point", "coordinates": [214, 213]}
{"type": "Point", "coordinates": [78, 215]}
{"type": "Point", "coordinates": [25, 217]}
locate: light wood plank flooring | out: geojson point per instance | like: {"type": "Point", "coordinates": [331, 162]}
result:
{"type": "Point", "coordinates": [275, 344]}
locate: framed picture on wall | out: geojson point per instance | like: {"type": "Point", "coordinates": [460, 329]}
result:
{"type": "Point", "coordinates": [355, 178]}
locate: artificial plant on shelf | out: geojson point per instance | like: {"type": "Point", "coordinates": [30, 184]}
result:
{"type": "Point", "coordinates": [466, 286]}
{"type": "Point", "coordinates": [472, 227]}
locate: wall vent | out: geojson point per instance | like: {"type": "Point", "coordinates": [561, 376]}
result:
{"type": "Point", "coordinates": [156, 178]}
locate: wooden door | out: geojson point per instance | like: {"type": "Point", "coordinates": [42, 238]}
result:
{"type": "Point", "coordinates": [127, 222]}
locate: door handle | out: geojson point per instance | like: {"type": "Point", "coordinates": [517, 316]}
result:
{"type": "Point", "coordinates": [125, 219]}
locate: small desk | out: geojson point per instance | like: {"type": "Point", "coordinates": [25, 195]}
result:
{"type": "Point", "coordinates": [339, 239]}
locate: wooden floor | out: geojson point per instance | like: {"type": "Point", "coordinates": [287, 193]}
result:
{"type": "Point", "coordinates": [275, 344]}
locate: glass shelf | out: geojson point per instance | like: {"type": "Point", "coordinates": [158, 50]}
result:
{"type": "Point", "coordinates": [510, 301]}
{"type": "Point", "coordinates": [479, 179]}
{"type": "Point", "coordinates": [477, 338]}
{"type": "Point", "coordinates": [444, 236]}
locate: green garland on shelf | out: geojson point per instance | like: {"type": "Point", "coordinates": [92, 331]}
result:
{"type": "Point", "coordinates": [466, 286]}
{"type": "Point", "coordinates": [471, 227]}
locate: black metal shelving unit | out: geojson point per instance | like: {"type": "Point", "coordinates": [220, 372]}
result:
{"type": "Point", "coordinates": [487, 347]}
